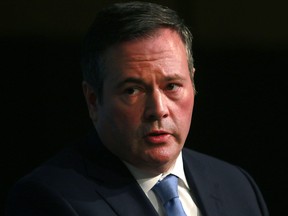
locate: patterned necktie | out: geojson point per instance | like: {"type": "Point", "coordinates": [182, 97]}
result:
{"type": "Point", "coordinates": [167, 192]}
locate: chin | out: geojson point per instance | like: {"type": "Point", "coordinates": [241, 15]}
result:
{"type": "Point", "coordinates": [163, 157]}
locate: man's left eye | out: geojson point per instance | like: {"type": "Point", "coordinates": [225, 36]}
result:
{"type": "Point", "coordinates": [172, 87]}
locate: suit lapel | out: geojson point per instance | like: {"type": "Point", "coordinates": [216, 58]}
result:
{"type": "Point", "coordinates": [204, 189]}
{"type": "Point", "coordinates": [115, 184]}
{"type": "Point", "coordinates": [127, 200]}
{"type": "Point", "coordinates": [104, 167]}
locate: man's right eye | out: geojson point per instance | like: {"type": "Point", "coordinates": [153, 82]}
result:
{"type": "Point", "coordinates": [132, 91]}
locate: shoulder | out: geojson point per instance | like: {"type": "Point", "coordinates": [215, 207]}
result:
{"type": "Point", "coordinates": [55, 187]}
{"type": "Point", "coordinates": [229, 182]}
{"type": "Point", "coordinates": [68, 163]}
{"type": "Point", "coordinates": [207, 161]}
{"type": "Point", "coordinates": [53, 175]}
{"type": "Point", "coordinates": [209, 170]}
{"type": "Point", "coordinates": [218, 169]}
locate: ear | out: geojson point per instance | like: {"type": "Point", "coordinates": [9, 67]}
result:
{"type": "Point", "coordinates": [193, 81]}
{"type": "Point", "coordinates": [91, 100]}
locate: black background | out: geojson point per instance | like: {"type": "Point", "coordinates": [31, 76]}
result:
{"type": "Point", "coordinates": [240, 114]}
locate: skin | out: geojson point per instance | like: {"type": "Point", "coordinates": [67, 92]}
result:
{"type": "Point", "coordinates": [148, 100]}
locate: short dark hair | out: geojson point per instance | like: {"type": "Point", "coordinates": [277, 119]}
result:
{"type": "Point", "coordinates": [122, 22]}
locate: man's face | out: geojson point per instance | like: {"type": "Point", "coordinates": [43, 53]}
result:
{"type": "Point", "coordinates": [148, 98]}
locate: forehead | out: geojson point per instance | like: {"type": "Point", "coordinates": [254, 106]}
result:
{"type": "Point", "coordinates": [164, 46]}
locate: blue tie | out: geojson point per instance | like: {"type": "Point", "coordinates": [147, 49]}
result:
{"type": "Point", "coordinates": [167, 192]}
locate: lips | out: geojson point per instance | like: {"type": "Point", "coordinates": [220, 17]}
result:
{"type": "Point", "coordinates": [157, 137]}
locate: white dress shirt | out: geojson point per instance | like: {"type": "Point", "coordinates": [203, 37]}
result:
{"type": "Point", "coordinates": [147, 181]}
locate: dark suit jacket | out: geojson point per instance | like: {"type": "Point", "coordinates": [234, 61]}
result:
{"type": "Point", "coordinates": [87, 180]}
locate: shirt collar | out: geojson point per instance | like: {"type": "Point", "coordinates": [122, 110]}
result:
{"type": "Point", "coordinates": [147, 181]}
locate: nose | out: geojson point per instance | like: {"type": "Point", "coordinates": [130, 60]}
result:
{"type": "Point", "coordinates": [156, 106]}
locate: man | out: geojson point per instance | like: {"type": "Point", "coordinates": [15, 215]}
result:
{"type": "Point", "coordinates": [138, 83]}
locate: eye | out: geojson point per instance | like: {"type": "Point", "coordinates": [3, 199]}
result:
{"type": "Point", "coordinates": [172, 87]}
{"type": "Point", "coordinates": [131, 91]}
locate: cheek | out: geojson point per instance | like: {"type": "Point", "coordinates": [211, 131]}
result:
{"type": "Point", "coordinates": [185, 110]}
{"type": "Point", "coordinates": [125, 116]}
{"type": "Point", "coordinates": [187, 103]}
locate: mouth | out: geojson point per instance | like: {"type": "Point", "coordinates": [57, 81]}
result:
{"type": "Point", "coordinates": [157, 137]}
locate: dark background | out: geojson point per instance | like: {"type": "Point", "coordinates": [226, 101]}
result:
{"type": "Point", "coordinates": [240, 114]}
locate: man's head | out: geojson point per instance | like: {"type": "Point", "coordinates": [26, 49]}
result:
{"type": "Point", "coordinates": [123, 22]}
{"type": "Point", "coordinates": [138, 83]}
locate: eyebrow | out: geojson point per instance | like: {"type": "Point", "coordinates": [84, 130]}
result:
{"type": "Point", "coordinates": [130, 80]}
{"type": "Point", "coordinates": [142, 82]}
{"type": "Point", "coordinates": [174, 77]}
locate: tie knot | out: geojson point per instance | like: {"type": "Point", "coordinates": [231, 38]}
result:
{"type": "Point", "coordinates": [167, 189]}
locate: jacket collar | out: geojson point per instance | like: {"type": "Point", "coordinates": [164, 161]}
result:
{"type": "Point", "coordinates": [105, 168]}
{"type": "Point", "coordinates": [204, 189]}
